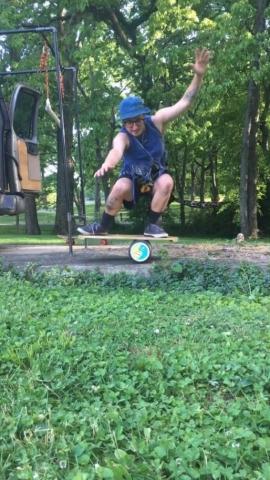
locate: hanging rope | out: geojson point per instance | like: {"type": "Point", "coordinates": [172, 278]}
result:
{"type": "Point", "coordinates": [43, 65]}
{"type": "Point", "coordinates": [62, 87]}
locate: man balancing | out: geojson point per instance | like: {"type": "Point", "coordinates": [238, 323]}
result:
{"type": "Point", "coordinates": [140, 143]}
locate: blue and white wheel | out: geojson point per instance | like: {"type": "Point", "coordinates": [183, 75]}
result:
{"type": "Point", "coordinates": [140, 251]}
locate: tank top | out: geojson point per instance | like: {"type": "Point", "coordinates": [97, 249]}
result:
{"type": "Point", "coordinates": [145, 153]}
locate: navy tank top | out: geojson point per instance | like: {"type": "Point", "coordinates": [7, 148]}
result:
{"type": "Point", "coordinates": [145, 153]}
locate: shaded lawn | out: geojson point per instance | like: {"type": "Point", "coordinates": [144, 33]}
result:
{"type": "Point", "coordinates": [10, 234]}
{"type": "Point", "coordinates": [115, 383]}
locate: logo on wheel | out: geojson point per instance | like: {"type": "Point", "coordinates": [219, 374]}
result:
{"type": "Point", "coordinates": [140, 252]}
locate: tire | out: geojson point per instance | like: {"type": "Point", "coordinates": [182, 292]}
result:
{"type": "Point", "coordinates": [140, 251]}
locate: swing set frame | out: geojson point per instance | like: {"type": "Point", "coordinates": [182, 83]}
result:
{"type": "Point", "coordinates": [57, 69]}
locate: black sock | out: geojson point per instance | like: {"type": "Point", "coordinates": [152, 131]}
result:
{"type": "Point", "coordinates": [106, 221]}
{"type": "Point", "coordinates": [154, 216]}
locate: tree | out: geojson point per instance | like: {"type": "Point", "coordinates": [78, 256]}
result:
{"type": "Point", "coordinates": [145, 48]}
{"type": "Point", "coordinates": [249, 157]}
{"type": "Point", "coordinates": [31, 218]}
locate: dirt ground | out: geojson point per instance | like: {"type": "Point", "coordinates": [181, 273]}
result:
{"type": "Point", "coordinates": [114, 258]}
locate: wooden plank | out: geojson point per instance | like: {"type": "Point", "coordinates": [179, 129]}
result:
{"type": "Point", "coordinates": [29, 168]}
{"type": "Point", "coordinates": [120, 237]}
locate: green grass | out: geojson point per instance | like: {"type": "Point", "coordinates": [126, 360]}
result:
{"type": "Point", "coordinates": [118, 383]}
{"type": "Point", "coordinates": [11, 234]}
{"type": "Point", "coordinates": [13, 239]}
{"type": "Point", "coordinates": [44, 217]}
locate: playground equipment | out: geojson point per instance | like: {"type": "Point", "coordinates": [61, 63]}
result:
{"type": "Point", "coordinates": [19, 157]}
{"type": "Point", "coordinates": [139, 246]}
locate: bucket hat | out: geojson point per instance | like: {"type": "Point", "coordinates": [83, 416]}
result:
{"type": "Point", "coordinates": [132, 107]}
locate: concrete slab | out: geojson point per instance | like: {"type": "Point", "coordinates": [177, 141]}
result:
{"type": "Point", "coordinates": [114, 258]}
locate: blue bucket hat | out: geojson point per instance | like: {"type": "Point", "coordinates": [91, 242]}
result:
{"type": "Point", "coordinates": [132, 107]}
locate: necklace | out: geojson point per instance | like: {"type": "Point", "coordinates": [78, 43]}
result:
{"type": "Point", "coordinates": [142, 138]}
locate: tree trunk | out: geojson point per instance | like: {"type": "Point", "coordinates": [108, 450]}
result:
{"type": "Point", "coordinates": [104, 179]}
{"type": "Point", "coordinates": [31, 218]}
{"type": "Point", "coordinates": [182, 187]}
{"type": "Point", "coordinates": [248, 165]}
{"type": "Point", "coordinates": [192, 184]}
{"type": "Point", "coordinates": [213, 176]}
{"type": "Point", "coordinates": [202, 181]}
{"type": "Point", "coordinates": [65, 172]}
{"type": "Point", "coordinates": [179, 159]}
{"type": "Point", "coordinates": [264, 128]}
{"type": "Point", "coordinates": [252, 166]}
{"type": "Point", "coordinates": [97, 200]}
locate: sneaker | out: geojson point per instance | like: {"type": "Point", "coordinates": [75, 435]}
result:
{"type": "Point", "coordinates": [92, 229]}
{"type": "Point", "coordinates": [153, 230]}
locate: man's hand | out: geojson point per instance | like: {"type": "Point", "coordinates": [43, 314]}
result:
{"type": "Point", "coordinates": [202, 57]}
{"type": "Point", "coordinates": [120, 143]}
{"type": "Point", "coordinates": [102, 170]}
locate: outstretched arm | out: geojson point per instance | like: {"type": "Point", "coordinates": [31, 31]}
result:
{"type": "Point", "coordinates": [167, 114]}
{"type": "Point", "coordinates": [114, 156]}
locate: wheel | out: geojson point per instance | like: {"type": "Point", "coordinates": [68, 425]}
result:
{"type": "Point", "coordinates": [140, 251]}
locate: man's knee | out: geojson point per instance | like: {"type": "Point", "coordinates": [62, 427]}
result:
{"type": "Point", "coordinates": [165, 185]}
{"type": "Point", "coordinates": [169, 183]}
{"type": "Point", "coordinates": [122, 188]}
{"type": "Point", "coordinates": [118, 194]}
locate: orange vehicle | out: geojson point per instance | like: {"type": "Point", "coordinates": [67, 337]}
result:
{"type": "Point", "coordinates": [19, 157]}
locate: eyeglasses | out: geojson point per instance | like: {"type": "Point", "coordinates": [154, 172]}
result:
{"type": "Point", "coordinates": [133, 121]}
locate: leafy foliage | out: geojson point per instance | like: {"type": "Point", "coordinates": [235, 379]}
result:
{"type": "Point", "coordinates": [109, 379]}
{"type": "Point", "coordinates": [146, 48]}
{"type": "Point", "coordinates": [180, 276]}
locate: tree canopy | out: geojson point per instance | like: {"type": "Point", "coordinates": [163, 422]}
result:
{"type": "Point", "coordinates": [220, 149]}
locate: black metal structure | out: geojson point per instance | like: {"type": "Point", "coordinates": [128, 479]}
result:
{"type": "Point", "coordinates": [58, 69]}
{"type": "Point", "coordinates": [19, 156]}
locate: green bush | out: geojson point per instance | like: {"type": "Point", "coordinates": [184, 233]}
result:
{"type": "Point", "coordinates": [119, 377]}
{"type": "Point", "coordinates": [210, 221]}
{"type": "Point", "coordinates": [183, 276]}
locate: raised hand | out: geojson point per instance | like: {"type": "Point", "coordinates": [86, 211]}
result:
{"type": "Point", "coordinates": [202, 57]}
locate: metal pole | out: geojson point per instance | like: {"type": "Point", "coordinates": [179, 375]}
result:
{"type": "Point", "coordinates": [33, 70]}
{"type": "Point", "coordinates": [63, 141]}
{"type": "Point", "coordinates": [78, 130]}
{"type": "Point", "coordinates": [26, 72]}
{"type": "Point", "coordinates": [57, 69]}
{"type": "Point", "coordinates": [27, 30]}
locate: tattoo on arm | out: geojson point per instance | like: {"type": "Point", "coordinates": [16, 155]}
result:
{"type": "Point", "coordinates": [190, 94]}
